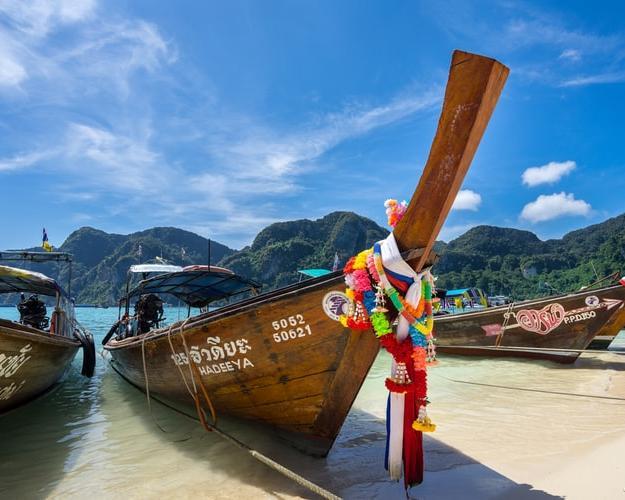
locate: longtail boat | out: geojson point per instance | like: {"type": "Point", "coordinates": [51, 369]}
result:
{"type": "Point", "coordinates": [556, 328]}
{"type": "Point", "coordinates": [282, 358]}
{"type": "Point", "coordinates": [37, 350]}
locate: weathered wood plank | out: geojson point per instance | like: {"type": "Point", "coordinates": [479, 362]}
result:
{"type": "Point", "coordinates": [31, 362]}
{"type": "Point", "coordinates": [474, 85]}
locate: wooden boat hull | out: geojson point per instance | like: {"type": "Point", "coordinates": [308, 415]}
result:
{"type": "Point", "coordinates": [559, 323]}
{"type": "Point", "coordinates": [283, 358]}
{"type": "Point", "coordinates": [31, 363]}
{"type": "Point", "coordinates": [278, 359]}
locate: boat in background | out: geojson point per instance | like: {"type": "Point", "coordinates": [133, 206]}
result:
{"type": "Point", "coordinates": [282, 358]}
{"type": "Point", "coordinates": [37, 350]}
{"type": "Point", "coordinates": [556, 328]}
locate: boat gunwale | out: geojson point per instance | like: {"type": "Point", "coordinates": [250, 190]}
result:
{"type": "Point", "coordinates": [230, 310]}
{"type": "Point", "coordinates": [34, 334]}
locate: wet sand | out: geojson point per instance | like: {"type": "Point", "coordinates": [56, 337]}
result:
{"type": "Point", "coordinates": [497, 437]}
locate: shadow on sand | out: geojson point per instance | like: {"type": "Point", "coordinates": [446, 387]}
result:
{"type": "Point", "coordinates": [353, 468]}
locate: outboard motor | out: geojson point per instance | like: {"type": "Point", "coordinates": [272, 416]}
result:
{"type": "Point", "coordinates": [149, 312]}
{"type": "Point", "coordinates": [33, 312]}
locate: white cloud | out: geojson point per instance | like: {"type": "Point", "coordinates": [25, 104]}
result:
{"type": "Point", "coordinates": [116, 161]}
{"type": "Point", "coordinates": [25, 160]}
{"type": "Point", "coordinates": [550, 173]}
{"type": "Point", "coordinates": [37, 18]}
{"type": "Point", "coordinates": [467, 200]}
{"type": "Point", "coordinates": [12, 73]}
{"type": "Point", "coordinates": [449, 233]}
{"type": "Point", "coordinates": [543, 30]}
{"type": "Point", "coordinates": [548, 207]}
{"type": "Point", "coordinates": [580, 81]}
{"type": "Point", "coordinates": [96, 49]}
{"type": "Point", "coordinates": [111, 144]}
{"type": "Point", "coordinates": [258, 152]}
{"type": "Point", "coordinates": [573, 55]}
{"type": "Point", "coordinates": [242, 163]}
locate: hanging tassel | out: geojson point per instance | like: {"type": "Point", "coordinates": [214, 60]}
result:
{"type": "Point", "coordinates": [396, 434]}
{"type": "Point", "coordinates": [413, 440]}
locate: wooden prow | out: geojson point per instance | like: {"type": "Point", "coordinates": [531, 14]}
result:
{"type": "Point", "coordinates": [474, 85]}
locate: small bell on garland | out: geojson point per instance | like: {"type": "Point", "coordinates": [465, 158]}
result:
{"type": "Point", "coordinates": [380, 300]}
{"type": "Point", "coordinates": [401, 375]}
{"type": "Point", "coordinates": [423, 422]}
{"type": "Point", "coordinates": [360, 314]}
{"type": "Point", "coordinates": [430, 353]}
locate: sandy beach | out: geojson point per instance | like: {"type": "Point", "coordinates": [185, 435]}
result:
{"type": "Point", "coordinates": [506, 429]}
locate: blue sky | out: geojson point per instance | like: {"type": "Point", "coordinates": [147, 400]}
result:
{"type": "Point", "coordinates": [222, 117]}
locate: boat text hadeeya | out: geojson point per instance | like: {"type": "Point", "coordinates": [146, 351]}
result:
{"type": "Point", "coordinates": [37, 350]}
{"type": "Point", "coordinates": [283, 358]}
{"type": "Point", "coordinates": [556, 328]}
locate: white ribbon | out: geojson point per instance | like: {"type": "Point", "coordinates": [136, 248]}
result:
{"type": "Point", "coordinates": [392, 260]}
{"type": "Point", "coordinates": [396, 432]}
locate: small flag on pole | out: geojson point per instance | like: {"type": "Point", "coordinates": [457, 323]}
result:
{"type": "Point", "coordinates": [183, 253]}
{"type": "Point", "coordinates": [335, 266]}
{"type": "Point", "coordinates": [45, 244]}
{"type": "Point", "coordinates": [139, 250]}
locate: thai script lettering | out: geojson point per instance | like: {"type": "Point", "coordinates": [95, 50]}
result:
{"type": "Point", "coordinates": [543, 321]}
{"type": "Point", "coordinates": [9, 391]}
{"type": "Point", "coordinates": [9, 365]}
{"type": "Point", "coordinates": [219, 355]}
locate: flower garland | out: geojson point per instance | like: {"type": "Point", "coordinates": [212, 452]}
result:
{"type": "Point", "coordinates": [368, 287]}
{"type": "Point", "coordinates": [395, 211]}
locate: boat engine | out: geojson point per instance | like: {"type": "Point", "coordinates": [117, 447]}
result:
{"type": "Point", "coordinates": [33, 312]}
{"type": "Point", "coordinates": [149, 312]}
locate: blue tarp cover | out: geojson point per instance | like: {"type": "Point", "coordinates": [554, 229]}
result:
{"type": "Point", "coordinates": [315, 273]}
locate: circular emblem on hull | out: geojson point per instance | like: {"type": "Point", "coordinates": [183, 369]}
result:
{"type": "Point", "coordinates": [335, 304]}
{"type": "Point", "coordinates": [592, 300]}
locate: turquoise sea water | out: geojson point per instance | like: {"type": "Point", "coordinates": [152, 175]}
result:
{"type": "Point", "coordinates": [97, 438]}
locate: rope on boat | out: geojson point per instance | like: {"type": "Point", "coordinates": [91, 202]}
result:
{"type": "Point", "coordinates": [288, 473]}
{"type": "Point", "coordinates": [147, 389]}
{"type": "Point", "coordinates": [524, 389]}
{"type": "Point", "coordinates": [194, 394]}
{"type": "Point", "coordinates": [506, 319]}
{"type": "Point", "coordinates": [531, 349]}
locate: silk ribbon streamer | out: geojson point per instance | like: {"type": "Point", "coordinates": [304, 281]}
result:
{"type": "Point", "coordinates": [396, 434]}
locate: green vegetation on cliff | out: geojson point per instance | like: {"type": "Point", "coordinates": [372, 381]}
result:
{"type": "Point", "coordinates": [281, 249]}
{"type": "Point", "coordinates": [498, 260]}
{"type": "Point", "coordinates": [517, 263]}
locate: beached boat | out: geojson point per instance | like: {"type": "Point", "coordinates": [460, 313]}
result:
{"type": "Point", "coordinates": [37, 350]}
{"type": "Point", "coordinates": [282, 358]}
{"type": "Point", "coordinates": [556, 328]}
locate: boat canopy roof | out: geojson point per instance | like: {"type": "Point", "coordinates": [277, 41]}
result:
{"type": "Point", "coordinates": [13, 279]}
{"type": "Point", "coordinates": [154, 268]}
{"type": "Point", "coordinates": [22, 255]}
{"type": "Point", "coordinates": [314, 273]}
{"type": "Point", "coordinates": [197, 286]}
